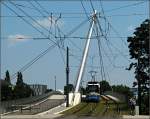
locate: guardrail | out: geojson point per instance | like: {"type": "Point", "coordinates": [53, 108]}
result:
{"type": "Point", "coordinates": [6, 106]}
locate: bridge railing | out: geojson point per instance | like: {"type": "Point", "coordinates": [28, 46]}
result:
{"type": "Point", "coordinates": [6, 106]}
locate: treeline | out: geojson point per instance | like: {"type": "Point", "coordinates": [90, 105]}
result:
{"type": "Point", "coordinates": [17, 91]}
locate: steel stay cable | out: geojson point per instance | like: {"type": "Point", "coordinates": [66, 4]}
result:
{"type": "Point", "coordinates": [106, 31]}
{"type": "Point", "coordinates": [41, 7]}
{"type": "Point", "coordinates": [43, 16]}
{"type": "Point", "coordinates": [100, 54]}
{"type": "Point", "coordinates": [33, 61]}
{"type": "Point", "coordinates": [39, 56]}
{"type": "Point", "coordinates": [94, 30]}
{"type": "Point", "coordinates": [84, 9]}
{"type": "Point", "coordinates": [60, 48]}
{"type": "Point", "coordinates": [36, 8]}
{"type": "Point", "coordinates": [32, 24]}
{"type": "Point", "coordinates": [23, 19]}
{"type": "Point", "coordinates": [92, 6]}
{"type": "Point", "coordinates": [101, 62]}
{"type": "Point", "coordinates": [112, 28]}
{"type": "Point", "coordinates": [104, 35]}
{"type": "Point", "coordinates": [51, 20]}
{"type": "Point", "coordinates": [58, 29]}
{"type": "Point", "coordinates": [111, 43]}
{"type": "Point", "coordinates": [109, 24]}
{"type": "Point", "coordinates": [33, 20]}
{"type": "Point", "coordinates": [30, 63]}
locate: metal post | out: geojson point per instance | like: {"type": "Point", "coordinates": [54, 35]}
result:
{"type": "Point", "coordinates": [85, 53]}
{"type": "Point", "coordinates": [55, 83]}
{"type": "Point", "coordinates": [67, 78]}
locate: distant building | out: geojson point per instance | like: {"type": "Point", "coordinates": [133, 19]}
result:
{"type": "Point", "coordinates": [38, 89]}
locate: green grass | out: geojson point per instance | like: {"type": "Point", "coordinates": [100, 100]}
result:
{"type": "Point", "coordinates": [97, 109]}
{"type": "Point", "coordinates": [75, 109]}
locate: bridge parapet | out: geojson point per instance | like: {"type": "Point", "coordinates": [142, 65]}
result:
{"type": "Point", "coordinates": [6, 106]}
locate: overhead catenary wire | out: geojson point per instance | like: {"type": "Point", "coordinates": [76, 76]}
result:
{"type": "Point", "coordinates": [100, 54]}
{"type": "Point", "coordinates": [84, 9]}
{"type": "Point", "coordinates": [69, 33]}
{"type": "Point", "coordinates": [59, 28]}
{"type": "Point", "coordinates": [104, 16]}
{"type": "Point", "coordinates": [33, 20]}
{"type": "Point", "coordinates": [101, 60]}
{"type": "Point", "coordinates": [26, 66]}
{"type": "Point", "coordinates": [41, 7]}
{"type": "Point", "coordinates": [29, 23]}
{"type": "Point", "coordinates": [61, 50]}
{"type": "Point", "coordinates": [37, 57]}
{"type": "Point", "coordinates": [37, 9]}
{"type": "Point", "coordinates": [45, 51]}
{"type": "Point", "coordinates": [107, 40]}
{"type": "Point", "coordinates": [109, 44]}
{"type": "Point", "coordinates": [50, 14]}
{"type": "Point", "coordinates": [39, 25]}
{"type": "Point", "coordinates": [45, 37]}
{"type": "Point", "coordinates": [101, 28]}
{"type": "Point", "coordinates": [50, 27]}
{"type": "Point", "coordinates": [42, 32]}
{"type": "Point", "coordinates": [117, 33]}
{"type": "Point", "coordinates": [70, 13]}
{"type": "Point", "coordinates": [62, 37]}
{"type": "Point", "coordinates": [109, 24]}
{"type": "Point", "coordinates": [79, 17]}
{"type": "Point", "coordinates": [56, 26]}
{"type": "Point", "coordinates": [92, 6]}
{"type": "Point", "coordinates": [50, 20]}
{"type": "Point", "coordinates": [125, 6]}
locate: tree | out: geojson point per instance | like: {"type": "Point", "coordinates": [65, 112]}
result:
{"type": "Point", "coordinates": [19, 79]}
{"type": "Point", "coordinates": [122, 89]}
{"type": "Point", "coordinates": [83, 90]}
{"type": "Point", "coordinates": [6, 90]}
{"type": "Point", "coordinates": [104, 86]}
{"type": "Point", "coordinates": [7, 78]}
{"type": "Point", "coordinates": [139, 51]}
{"type": "Point", "coordinates": [21, 90]}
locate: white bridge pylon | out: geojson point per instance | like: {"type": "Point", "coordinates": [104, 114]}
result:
{"type": "Point", "coordinates": [77, 97]}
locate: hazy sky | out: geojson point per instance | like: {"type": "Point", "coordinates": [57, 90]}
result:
{"type": "Point", "coordinates": [19, 46]}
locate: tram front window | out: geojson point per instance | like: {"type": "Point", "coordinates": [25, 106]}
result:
{"type": "Point", "coordinates": [92, 88]}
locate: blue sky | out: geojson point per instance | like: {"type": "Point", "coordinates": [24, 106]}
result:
{"type": "Point", "coordinates": [18, 52]}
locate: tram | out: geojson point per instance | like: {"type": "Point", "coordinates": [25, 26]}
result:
{"type": "Point", "coordinates": [93, 91]}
